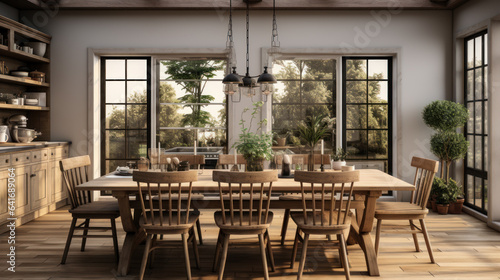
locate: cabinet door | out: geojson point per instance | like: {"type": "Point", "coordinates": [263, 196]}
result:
{"type": "Point", "coordinates": [22, 191]}
{"type": "Point", "coordinates": [38, 185]}
{"type": "Point", "coordinates": [58, 187]}
{"type": "Point", "coordinates": [4, 203]}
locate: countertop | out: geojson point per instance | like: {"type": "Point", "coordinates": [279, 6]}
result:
{"type": "Point", "coordinates": [36, 145]}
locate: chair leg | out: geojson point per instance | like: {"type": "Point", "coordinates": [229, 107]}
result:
{"type": "Point", "coordinates": [218, 247]}
{"type": "Point", "coordinates": [263, 255]}
{"type": "Point", "coordinates": [115, 240]}
{"type": "Point", "coordinates": [344, 256]}
{"type": "Point", "coordinates": [303, 256]}
{"type": "Point", "coordinates": [198, 228]}
{"type": "Point", "coordinates": [195, 249]}
{"type": "Point", "coordinates": [68, 241]}
{"type": "Point", "coordinates": [145, 256]}
{"type": "Point", "coordinates": [342, 264]}
{"type": "Point", "coordinates": [269, 250]}
{"type": "Point", "coordinates": [284, 227]}
{"type": "Point", "coordinates": [85, 232]}
{"type": "Point", "coordinates": [415, 238]}
{"type": "Point", "coordinates": [186, 256]}
{"type": "Point", "coordinates": [294, 250]}
{"type": "Point", "coordinates": [224, 256]}
{"type": "Point", "coordinates": [377, 236]}
{"type": "Point", "coordinates": [153, 252]}
{"type": "Point", "coordinates": [427, 240]}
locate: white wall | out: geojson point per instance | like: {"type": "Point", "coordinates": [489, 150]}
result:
{"type": "Point", "coordinates": [8, 11]}
{"type": "Point", "coordinates": [423, 37]}
{"type": "Point", "coordinates": [474, 12]}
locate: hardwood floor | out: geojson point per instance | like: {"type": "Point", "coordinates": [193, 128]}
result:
{"type": "Point", "coordinates": [464, 248]}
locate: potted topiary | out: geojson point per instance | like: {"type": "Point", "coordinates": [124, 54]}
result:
{"type": "Point", "coordinates": [255, 146]}
{"type": "Point", "coordinates": [311, 131]}
{"type": "Point", "coordinates": [456, 206]}
{"type": "Point", "coordinates": [445, 193]}
{"type": "Point", "coordinates": [338, 159]}
{"type": "Point", "coordinates": [281, 137]}
{"type": "Point", "coordinates": [446, 117]}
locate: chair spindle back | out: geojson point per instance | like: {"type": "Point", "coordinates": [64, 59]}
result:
{"type": "Point", "coordinates": [151, 184]}
{"type": "Point", "coordinates": [424, 176]}
{"type": "Point", "coordinates": [258, 186]}
{"type": "Point", "coordinates": [326, 184]}
{"type": "Point", "coordinates": [76, 172]}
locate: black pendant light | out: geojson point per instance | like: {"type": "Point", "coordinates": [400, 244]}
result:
{"type": "Point", "coordinates": [249, 84]}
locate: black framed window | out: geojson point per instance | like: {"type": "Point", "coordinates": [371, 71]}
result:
{"type": "Point", "coordinates": [191, 103]}
{"type": "Point", "coordinates": [125, 110]}
{"type": "Point", "coordinates": [476, 131]}
{"type": "Point", "coordinates": [305, 87]}
{"type": "Point", "coordinates": [367, 109]}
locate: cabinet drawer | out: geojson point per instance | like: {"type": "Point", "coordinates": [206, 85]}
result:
{"type": "Point", "coordinates": [45, 154]}
{"type": "Point", "coordinates": [5, 161]}
{"type": "Point", "coordinates": [21, 158]}
{"type": "Point", "coordinates": [61, 152]}
{"type": "Point", "coordinates": [36, 156]}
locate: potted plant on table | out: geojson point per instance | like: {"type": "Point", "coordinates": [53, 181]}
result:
{"type": "Point", "coordinates": [281, 137]}
{"type": "Point", "coordinates": [338, 159]}
{"type": "Point", "coordinates": [446, 117]}
{"type": "Point", "coordinates": [255, 146]}
{"type": "Point", "coordinates": [311, 131]}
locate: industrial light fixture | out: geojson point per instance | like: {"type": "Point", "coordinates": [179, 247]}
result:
{"type": "Point", "coordinates": [247, 84]}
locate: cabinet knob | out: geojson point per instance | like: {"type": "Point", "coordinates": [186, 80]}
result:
{"type": "Point", "coordinates": [27, 157]}
{"type": "Point", "coordinates": [6, 161]}
{"type": "Point", "coordinates": [17, 159]}
{"type": "Point", "coordinates": [51, 154]}
{"type": "Point", "coordinates": [33, 175]}
{"type": "Point", "coordinates": [34, 156]}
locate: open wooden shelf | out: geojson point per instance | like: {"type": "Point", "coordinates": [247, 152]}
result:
{"type": "Point", "coordinates": [21, 81]}
{"type": "Point", "coordinates": [24, 107]}
{"type": "Point", "coordinates": [17, 54]}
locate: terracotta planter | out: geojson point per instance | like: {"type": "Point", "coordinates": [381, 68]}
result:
{"type": "Point", "coordinates": [456, 207]}
{"type": "Point", "coordinates": [281, 141]}
{"type": "Point", "coordinates": [255, 164]}
{"type": "Point", "coordinates": [434, 206]}
{"type": "Point", "coordinates": [442, 209]}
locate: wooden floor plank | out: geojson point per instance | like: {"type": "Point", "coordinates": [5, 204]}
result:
{"type": "Point", "coordinates": [464, 247]}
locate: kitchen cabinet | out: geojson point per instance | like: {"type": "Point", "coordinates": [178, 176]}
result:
{"type": "Point", "coordinates": [38, 185]}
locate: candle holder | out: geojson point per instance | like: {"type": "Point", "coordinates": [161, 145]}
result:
{"type": "Point", "coordinates": [154, 157]}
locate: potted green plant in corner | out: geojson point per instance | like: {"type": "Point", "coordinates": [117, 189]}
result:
{"type": "Point", "coordinates": [446, 117]}
{"type": "Point", "coordinates": [281, 137]}
{"type": "Point", "coordinates": [338, 159]}
{"type": "Point", "coordinates": [255, 146]}
{"type": "Point", "coordinates": [445, 193]}
{"type": "Point", "coordinates": [313, 129]}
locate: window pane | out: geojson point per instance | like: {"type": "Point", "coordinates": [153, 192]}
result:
{"type": "Point", "coordinates": [485, 48]}
{"type": "Point", "coordinates": [137, 69]}
{"type": "Point", "coordinates": [115, 92]}
{"type": "Point", "coordinates": [111, 165]}
{"type": "Point", "coordinates": [167, 93]}
{"type": "Point", "coordinates": [287, 92]}
{"type": "Point", "coordinates": [470, 151]}
{"type": "Point", "coordinates": [287, 69]}
{"type": "Point", "coordinates": [137, 116]}
{"type": "Point", "coordinates": [478, 162]}
{"type": "Point", "coordinates": [377, 69]}
{"type": "Point", "coordinates": [356, 69]}
{"type": "Point", "coordinates": [171, 138]}
{"type": "Point", "coordinates": [169, 117]}
{"type": "Point", "coordinates": [287, 116]}
{"type": "Point", "coordinates": [115, 69]}
{"type": "Point", "coordinates": [137, 92]}
{"type": "Point", "coordinates": [318, 69]}
{"type": "Point", "coordinates": [470, 85]}
{"type": "Point", "coordinates": [212, 138]}
{"type": "Point", "coordinates": [357, 144]}
{"type": "Point", "coordinates": [378, 91]}
{"type": "Point", "coordinates": [485, 108]}
{"type": "Point", "coordinates": [137, 143]}
{"type": "Point", "coordinates": [470, 189]}
{"type": "Point", "coordinates": [470, 54]}
{"type": "Point", "coordinates": [115, 144]}
{"type": "Point", "coordinates": [486, 154]}
{"type": "Point", "coordinates": [470, 120]}
{"type": "Point", "coordinates": [478, 51]}
{"type": "Point", "coordinates": [115, 116]}
{"type": "Point", "coordinates": [478, 191]}
{"type": "Point", "coordinates": [378, 144]}
{"type": "Point", "coordinates": [314, 110]}
{"type": "Point", "coordinates": [215, 90]}
{"type": "Point", "coordinates": [479, 84]}
{"type": "Point", "coordinates": [478, 122]}
{"type": "Point", "coordinates": [356, 116]}
{"type": "Point", "coordinates": [356, 92]}
{"type": "Point", "coordinates": [485, 194]}
{"type": "Point", "coordinates": [316, 92]}
{"type": "Point", "coordinates": [378, 116]}
{"type": "Point", "coordinates": [485, 82]}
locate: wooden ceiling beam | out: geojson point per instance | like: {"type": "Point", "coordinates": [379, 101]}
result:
{"type": "Point", "coordinates": [237, 4]}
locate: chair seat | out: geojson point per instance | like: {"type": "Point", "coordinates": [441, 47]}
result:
{"type": "Point", "coordinates": [184, 196]}
{"type": "Point", "coordinates": [245, 228]}
{"type": "Point", "coordinates": [98, 208]}
{"type": "Point", "coordinates": [169, 229]}
{"type": "Point", "coordinates": [298, 218]}
{"type": "Point", "coordinates": [395, 209]}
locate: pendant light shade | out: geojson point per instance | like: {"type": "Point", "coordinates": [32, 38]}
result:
{"type": "Point", "coordinates": [266, 78]}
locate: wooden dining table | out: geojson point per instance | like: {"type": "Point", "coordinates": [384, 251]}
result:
{"type": "Point", "coordinates": [370, 187]}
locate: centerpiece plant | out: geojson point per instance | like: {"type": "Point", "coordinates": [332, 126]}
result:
{"type": "Point", "coordinates": [445, 117]}
{"type": "Point", "coordinates": [312, 130]}
{"type": "Point", "coordinates": [255, 146]}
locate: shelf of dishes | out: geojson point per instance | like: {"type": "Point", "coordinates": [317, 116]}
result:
{"type": "Point", "coordinates": [24, 101]}
{"type": "Point", "coordinates": [22, 78]}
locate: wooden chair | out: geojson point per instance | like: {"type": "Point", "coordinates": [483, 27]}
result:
{"type": "Point", "coordinates": [324, 216]}
{"type": "Point", "coordinates": [244, 210]}
{"type": "Point", "coordinates": [413, 210]}
{"type": "Point", "coordinates": [159, 217]}
{"type": "Point", "coordinates": [226, 161]}
{"type": "Point", "coordinates": [75, 171]}
{"type": "Point", "coordinates": [305, 159]}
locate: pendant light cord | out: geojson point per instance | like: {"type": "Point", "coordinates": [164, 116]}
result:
{"type": "Point", "coordinates": [274, 40]}
{"type": "Point", "coordinates": [248, 37]}
{"type": "Point", "coordinates": [230, 42]}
